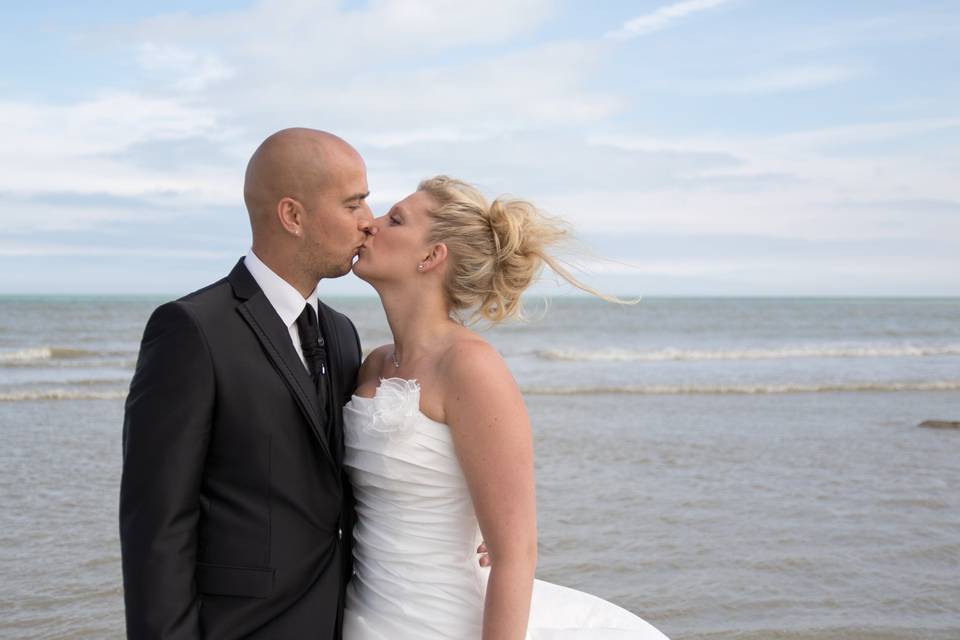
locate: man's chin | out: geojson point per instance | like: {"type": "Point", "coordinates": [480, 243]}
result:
{"type": "Point", "coordinates": [338, 272]}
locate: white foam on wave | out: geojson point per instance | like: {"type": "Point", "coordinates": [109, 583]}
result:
{"type": "Point", "coordinates": [64, 357]}
{"type": "Point", "coordinates": [817, 351]}
{"type": "Point", "coordinates": [746, 389]}
{"type": "Point", "coordinates": [62, 394]}
{"type": "Point", "coordinates": [27, 355]}
{"type": "Point", "coordinates": [37, 354]}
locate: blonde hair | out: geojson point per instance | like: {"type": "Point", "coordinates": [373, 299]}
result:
{"type": "Point", "coordinates": [497, 250]}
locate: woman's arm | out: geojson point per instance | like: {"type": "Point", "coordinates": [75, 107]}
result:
{"type": "Point", "coordinates": [493, 441]}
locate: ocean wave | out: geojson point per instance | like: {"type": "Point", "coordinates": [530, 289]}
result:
{"type": "Point", "coordinates": [638, 390]}
{"type": "Point", "coordinates": [745, 389]}
{"type": "Point", "coordinates": [821, 351]}
{"type": "Point", "coordinates": [62, 394]}
{"type": "Point", "coordinates": [99, 363]}
{"type": "Point", "coordinates": [62, 357]}
{"type": "Point", "coordinates": [101, 382]}
{"type": "Point", "coordinates": [32, 354]}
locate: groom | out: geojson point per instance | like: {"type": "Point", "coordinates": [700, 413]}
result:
{"type": "Point", "coordinates": [235, 513]}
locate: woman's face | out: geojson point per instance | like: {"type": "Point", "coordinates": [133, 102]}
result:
{"type": "Point", "coordinates": [400, 241]}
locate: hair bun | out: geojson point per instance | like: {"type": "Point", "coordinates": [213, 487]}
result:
{"type": "Point", "coordinates": [521, 235]}
{"type": "Point", "coordinates": [496, 250]}
{"type": "Point", "coordinates": [507, 224]}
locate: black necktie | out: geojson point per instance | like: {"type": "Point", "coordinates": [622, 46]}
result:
{"type": "Point", "coordinates": [316, 356]}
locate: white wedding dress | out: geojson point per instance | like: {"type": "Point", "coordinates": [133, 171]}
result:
{"type": "Point", "coordinates": [416, 535]}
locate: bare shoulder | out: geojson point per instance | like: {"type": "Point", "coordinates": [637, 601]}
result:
{"type": "Point", "coordinates": [476, 380]}
{"type": "Point", "coordinates": [470, 358]}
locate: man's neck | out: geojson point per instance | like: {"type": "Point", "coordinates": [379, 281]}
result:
{"type": "Point", "coordinates": [304, 285]}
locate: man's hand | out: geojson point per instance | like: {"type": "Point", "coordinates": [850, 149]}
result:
{"type": "Point", "coordinates": [484, 555]}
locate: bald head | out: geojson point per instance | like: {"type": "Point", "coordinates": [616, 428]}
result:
{"type": "Point", "coordinates": [292, 163]}
{"type": "Point", "coordinates": [306, 194]}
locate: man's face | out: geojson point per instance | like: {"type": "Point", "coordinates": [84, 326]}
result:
{"type": "Point", "coordinates": [337, 218]}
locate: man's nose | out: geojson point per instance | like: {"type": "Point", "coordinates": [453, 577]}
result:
{"type": "Point", "coordinates": [367, 223]}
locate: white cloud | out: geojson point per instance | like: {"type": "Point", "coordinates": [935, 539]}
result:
{"type": "Point", "coordinates": [371, 73]}
{"type": "Point", "coordinates": [917, 22]}
{"type": "Point", "coordinates": [868, 131]}
{"type": "Point", "coordinates": [72, 149]}
{"type": "Point", "coordinates": [192, 71]}
{"type": "Point", "coordinates": [662, 17]}
{"type": "Point", "coordinates": [107, 122]}
{"type": "Point", "coordinates": [393, 65]}
{"type": "Point", "coordinates": [543, 86]}
{"type": "Point", "coordinates": [297, 38]}
{"type": "Point", "coordinates": [795, 79]}
{"type": "Point", "coordinates": [786, 143]}
{"type": "Point", "coordinates": [799, 153]}
{"type": "Point", "coordinates": [835, 266]}
{"type": "Point", "coordinates": [788, 185]}
{"type": "Point", "coordinates": [475, 90]}
{"type": "Point", "coordinates": [407, 137]}
{"type": "Point", "coordinates": [65, 250]}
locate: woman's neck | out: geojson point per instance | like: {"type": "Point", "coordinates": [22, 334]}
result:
{"type": "Point", "coordinates": [419, 321]}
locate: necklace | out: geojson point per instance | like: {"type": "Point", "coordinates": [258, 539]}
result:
{"type": "Point", "coordinates": [396, 360]}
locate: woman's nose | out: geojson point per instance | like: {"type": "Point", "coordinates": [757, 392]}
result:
{"type": "Point", "coordinates": [378, 223]}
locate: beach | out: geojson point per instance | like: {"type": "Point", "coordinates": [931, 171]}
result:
{"type": "Point", "coordinates": [725, 468]}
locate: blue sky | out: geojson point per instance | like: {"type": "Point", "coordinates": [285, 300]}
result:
{"type": "Point", "coordinates": [699, 147]}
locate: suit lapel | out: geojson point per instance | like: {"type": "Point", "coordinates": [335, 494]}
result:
{"type": "Point", "coordinates": [274, 337]}
{"type": "Point", "coordinates": [333, 369]}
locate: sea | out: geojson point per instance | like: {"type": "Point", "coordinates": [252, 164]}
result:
{"type": "Point", "coordinates": [749, 468]}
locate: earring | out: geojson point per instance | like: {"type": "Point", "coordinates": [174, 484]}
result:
{"type": "Point", "coordinates": [420, 267]}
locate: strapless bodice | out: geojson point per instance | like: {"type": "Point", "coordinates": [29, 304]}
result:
{"type": "Point", "coordinates": [416, 532]}
{"type": "Point", "coordinates": [415, 538]}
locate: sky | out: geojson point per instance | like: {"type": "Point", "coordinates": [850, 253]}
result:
{"type": "Point", "coordinates": [699, 147]}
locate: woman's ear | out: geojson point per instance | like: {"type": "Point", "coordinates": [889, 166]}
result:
{"type": "Point", "coordinates": [290, 213]}
{"type": "Point", "coordinates": [436, 257]}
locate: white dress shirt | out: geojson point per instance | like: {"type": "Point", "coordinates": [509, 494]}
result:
{"type": "Point", "coordinates": [286, 300]}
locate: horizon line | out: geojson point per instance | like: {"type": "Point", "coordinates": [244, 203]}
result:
{"type": "Point", "coordinates": [581, 296]}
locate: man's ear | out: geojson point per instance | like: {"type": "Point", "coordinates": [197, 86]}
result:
{"type": "Point", "coordinates": [290, 213]}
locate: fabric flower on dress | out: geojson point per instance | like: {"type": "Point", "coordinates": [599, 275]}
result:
{"type": "Point", "coordinates": [396, 407]}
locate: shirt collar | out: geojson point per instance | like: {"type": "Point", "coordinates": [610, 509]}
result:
{"type": "Point", "coordinates": [284, 298]}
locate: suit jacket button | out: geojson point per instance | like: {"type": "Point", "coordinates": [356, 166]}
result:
{"type": "Point", "coordinates": [339, 534]}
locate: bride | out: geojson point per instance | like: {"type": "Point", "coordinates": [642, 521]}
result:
{"type": "Point", "coordinates": [438, 442]}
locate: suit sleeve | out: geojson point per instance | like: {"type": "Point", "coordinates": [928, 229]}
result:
{"type": "Point", "coordinates": [166, 432]}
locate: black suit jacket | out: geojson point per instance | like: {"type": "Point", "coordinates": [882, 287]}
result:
{"type": "Point", "coordinates": [232, 501]}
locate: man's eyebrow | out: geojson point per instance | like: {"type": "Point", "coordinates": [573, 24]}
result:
{"type": "Point", "coordinates": [356, 196]}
